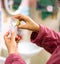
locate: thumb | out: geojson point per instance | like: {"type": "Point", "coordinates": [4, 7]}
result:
{"type": "Point", "coordinates": [22, 26]}
{"type": "Point", "coordinates": [12, 36]}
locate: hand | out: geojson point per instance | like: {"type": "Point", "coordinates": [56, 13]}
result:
{"type": "Point", "coordinates": [29, 23]}
{"type": "Point", "coordinates": [10, 42]}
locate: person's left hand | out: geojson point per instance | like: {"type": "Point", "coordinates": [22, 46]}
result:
{"type": "Point", "coordinates": [11, 42]}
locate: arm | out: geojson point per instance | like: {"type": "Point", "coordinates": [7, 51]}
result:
{"type": "Point", "coordinates": [55, 58]}
{"type": "Point", "coordinates": [11, 45]}
{"type": "Point", "coordinates": [41, 35]}
{"type": "Point", "coordinates": [46, 38]}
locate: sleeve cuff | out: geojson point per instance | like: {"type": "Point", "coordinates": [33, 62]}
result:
{"type": "Point", "coordinates": [14, 57]}
{"type": "Point", "coordinates": [36, 37]}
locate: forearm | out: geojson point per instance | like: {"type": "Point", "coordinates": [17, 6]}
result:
{"type": "Point", "coordinates": [13, 50]}
{"type": "Point", "coordinates": [46, 38]}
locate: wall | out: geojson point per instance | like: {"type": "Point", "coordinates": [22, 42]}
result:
{"type": "Point", "coordinates": [50, 22]}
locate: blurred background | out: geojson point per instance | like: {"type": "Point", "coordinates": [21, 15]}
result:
{"type": "Point", "coordinates": [46, 12]}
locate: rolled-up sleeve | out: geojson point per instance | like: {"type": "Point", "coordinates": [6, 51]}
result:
{"type": "Point", "coordinates": [55, 58]}
{"type": "Point", "coordinates": [14, 59]}
{"type": "Point", "coordinates": [46, 38]}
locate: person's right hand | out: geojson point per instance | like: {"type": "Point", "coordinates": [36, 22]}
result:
{"type": "Point", "coordinates": [29, 23]}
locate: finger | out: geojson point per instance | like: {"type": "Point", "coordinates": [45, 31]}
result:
{"type": "Point", "coordinates": [16, 17]}
{"type": "Point", "coordinates": [22, 26]}
{"type": "Point", "coordinates": [20, 17]}
{"type": "Point", "coordinates": [20, 37]}
{"type": "Point", "coordinates": [17, 41]}
{"type": "Point", "coordinates": [12, 36]}
{"type": "Point", "coordinates": [6, 35]}
{"type": "Point", "coordinates": [17, 38]}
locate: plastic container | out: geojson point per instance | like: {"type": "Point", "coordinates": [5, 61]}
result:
{"type": "Point", "coordinates": [13, 26]}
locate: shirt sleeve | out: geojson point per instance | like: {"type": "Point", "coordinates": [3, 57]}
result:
{"type": "Point", "coordinates": [14, 59]}
{"type": "Point", "coordinates": [55, 58]}
{"type": "Point", "coordinates": [46, 38]}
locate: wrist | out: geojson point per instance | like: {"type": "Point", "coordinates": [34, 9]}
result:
{"type": "Point", "coordinates": [13, 51]}
{"type": "Point", "coordinates": [36, 29]}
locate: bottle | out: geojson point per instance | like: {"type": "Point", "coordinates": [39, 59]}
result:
{"type": "Point", "coordinates": [13, 23]}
